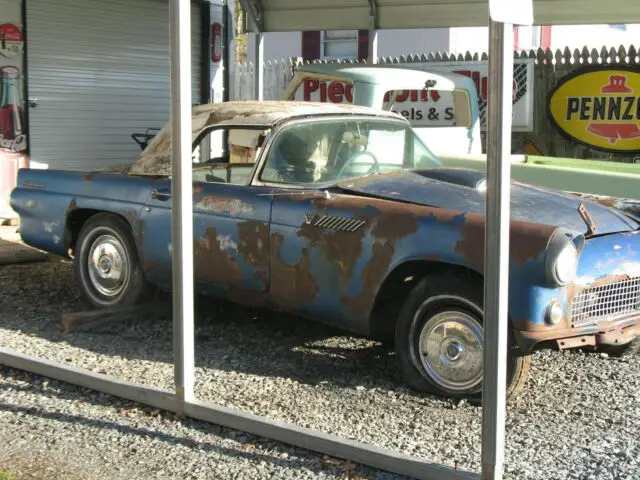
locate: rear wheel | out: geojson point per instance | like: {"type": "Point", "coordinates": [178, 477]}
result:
{"type": "Point", "coordinates": [440, 340]}
{"type": "Point", "coordinates": [107, 265]}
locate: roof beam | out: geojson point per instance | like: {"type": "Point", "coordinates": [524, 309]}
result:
{"type": "Point", "coordinates": [295, 15]}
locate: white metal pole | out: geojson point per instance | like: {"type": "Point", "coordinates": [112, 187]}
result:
{"type": "Point", "coordinates": [496, 271]}
{"type": "Point", "coordinates": [373, 40]}
{"type": "Point", "coordinates": [182, 208]}
{"type": "Point", "coordinates": [258, 67]}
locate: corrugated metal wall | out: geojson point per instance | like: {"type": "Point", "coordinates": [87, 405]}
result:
{"type": "Point", "coordinates": [100, 71]}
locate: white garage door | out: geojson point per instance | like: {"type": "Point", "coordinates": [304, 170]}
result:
{"type": "Point", "coordinates": [99, 70]}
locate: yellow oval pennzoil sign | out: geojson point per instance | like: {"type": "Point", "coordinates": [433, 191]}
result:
{"type": "Point", "coordinates": [599, 107]}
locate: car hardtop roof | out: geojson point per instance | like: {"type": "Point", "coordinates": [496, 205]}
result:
{"type": "Point", "coordinates": [270, 112]}
{"type": "Point", "coordinates": [156, 158]}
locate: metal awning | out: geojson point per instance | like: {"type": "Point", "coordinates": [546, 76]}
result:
{"type": "Point", "coordinates": [292, 15]}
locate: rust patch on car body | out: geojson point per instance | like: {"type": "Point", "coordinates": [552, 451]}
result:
{"type": "Point", "coordinates": [230, 206]}
{"type": "Point", "coordinates": [527, 241]}
{"type": "Point", "coordinates": [73, 205]}
{"type": "Point", "coordinates": [372, 277]}
{"type": "Point", "coordinates": [393, 227]}
{"type": "Point", "coordinates": [388, 229]}
{"type": "Point", "coordinates": [253, 246]}
{"type": "Point", "coordinates": [212, 264]}
{"type": "Point", "coordinates": [344, 249]}
{"type": "Point", "coordinates": [313, 234]}
{"type": "Point", "coordinates": [611, 332]}
{"type": "Point", "coordinates": [293, 285]}
{"type": "Point", "coordinates": [89, 176]}
{"type": "Point", "coordinates": [341, 248]}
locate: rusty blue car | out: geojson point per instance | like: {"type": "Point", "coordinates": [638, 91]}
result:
{"type": "Point", "coordinates": [341, 214]}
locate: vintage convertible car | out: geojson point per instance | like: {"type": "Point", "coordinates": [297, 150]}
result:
{"type": "Point", "coordinates": [340, 213]}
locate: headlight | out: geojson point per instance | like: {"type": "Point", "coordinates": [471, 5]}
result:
{"type": "Point", "coordinates": [554, 313]}
{"type": "Point", "coordinates": [567, 264]}
{"type": "Point", "coordinates": [563, 252]}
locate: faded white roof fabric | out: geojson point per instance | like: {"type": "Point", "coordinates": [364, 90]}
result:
{"type": "Point", "coordinates": [156, 158]}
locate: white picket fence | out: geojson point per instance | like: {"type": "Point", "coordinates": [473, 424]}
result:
{"type": "Point", "coordinates": [278, 73]}
{"type": "Point", "coordinates": [549, 67]}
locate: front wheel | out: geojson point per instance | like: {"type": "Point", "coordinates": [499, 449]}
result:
{"type": "Point", "coordinates": [440, 340]}
{"type": "Point", "coordinates": [106, 263]}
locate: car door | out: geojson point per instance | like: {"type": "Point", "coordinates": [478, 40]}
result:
{"type": "Point", "coordinates": [230, 225]}
{"type": "Point", "coordinates": [319, 248]}
{"type": "Point", "coordinates": [319, 243]}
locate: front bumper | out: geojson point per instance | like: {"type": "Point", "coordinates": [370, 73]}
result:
{"type": "Point", "coordinates": [614, 332]}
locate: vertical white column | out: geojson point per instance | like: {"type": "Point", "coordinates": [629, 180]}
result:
{"type": "Point", "coordinates": [373, 41]}
{"type": "Point", "coordinates": [258, 67]}
{"type": "Point", "coordinates": [182, 207]}
{"type": "Point", "coordinates": [496, 271]}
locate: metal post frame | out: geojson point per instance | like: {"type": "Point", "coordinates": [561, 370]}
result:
{"type": "Point", "coordinates": [258, 67]}
{"type": "Point", "coordinates": [495, 298]}
{"type": "Point", "coordinates": [373, 32]}
{"type": "Point", "coordinates": [496, 270]}
{"type": "Point", "coordinates": [181, 198]}
{"type": "Point", "coordinates": [375, 457]}
{"type": "Point", "coordinates": [373, 46]}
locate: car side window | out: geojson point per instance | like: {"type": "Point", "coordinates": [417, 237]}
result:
{"type": "Point", "coordinates": [226, 155]}
{"type": "Point", "coordinates": [333, 150]}
{"type": "Point", "coordinates": [422, 156]}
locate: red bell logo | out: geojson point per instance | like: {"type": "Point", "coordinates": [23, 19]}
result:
{"type": "Point", "coordinates": [617, 84]}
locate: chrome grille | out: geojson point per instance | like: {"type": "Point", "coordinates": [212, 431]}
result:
{"type": "Point", "coordinates": [606, 302]}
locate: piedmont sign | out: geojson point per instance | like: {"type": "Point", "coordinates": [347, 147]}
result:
{"type": "Point", "coordinates": [599, 106]}
{"type": "Point", "coordinates": [433, 108]}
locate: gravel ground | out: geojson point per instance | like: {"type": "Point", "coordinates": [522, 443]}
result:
{"type": "Point", "coordinates": [59, 431]}
{"type": "Point", "coordinates": [577, 419]}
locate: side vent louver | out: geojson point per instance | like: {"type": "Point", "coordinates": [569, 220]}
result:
{"type": "Point", "coordinates": [334, 223]}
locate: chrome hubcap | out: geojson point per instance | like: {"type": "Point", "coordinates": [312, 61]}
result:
{"type": "Point", "coordinates": [108, 266]}
{"type": "Point", "coordinates": [450, 346]}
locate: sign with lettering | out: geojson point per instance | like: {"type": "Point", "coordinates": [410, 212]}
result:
{"type": "Point", "coordinates": [431, 108]}
{"type": "Point", "coordinates": [599, 106]}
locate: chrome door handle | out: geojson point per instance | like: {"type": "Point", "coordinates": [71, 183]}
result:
{"type": "Point", "coordinates": [162, 194]}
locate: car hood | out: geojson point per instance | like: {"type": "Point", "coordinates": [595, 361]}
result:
{"type": "Point", "coordinates": [456, 189]}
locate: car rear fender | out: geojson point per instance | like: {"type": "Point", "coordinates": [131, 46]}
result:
{"type": "Point", "coordinates": [48, 202]}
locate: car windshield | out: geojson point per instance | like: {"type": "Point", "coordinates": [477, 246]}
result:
{"type": "Point", "coordinates": [328, 151]}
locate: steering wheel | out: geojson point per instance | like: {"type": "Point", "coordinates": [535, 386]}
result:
{"type": "Point", "coordinates": [374, 168]}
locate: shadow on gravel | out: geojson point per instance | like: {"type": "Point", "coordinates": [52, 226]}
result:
{"type": "Point", "coordinates": [228, 337]}
{"type": "Point", "coordinates": [247, 443]}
